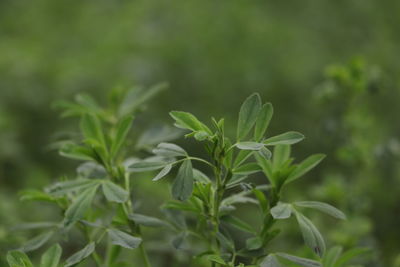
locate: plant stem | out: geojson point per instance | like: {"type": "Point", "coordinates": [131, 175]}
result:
{"type": "Point", "coordinates": [127, 209]}
{"type": "Point", "coordinates": [268, 220]}
{"type": "Point", "coordinates": [94, 255]}
{"type": "Point", "coordinates": [216, 205]}
{"type": "Point", "coordinates": [144, 255]}
{"type": "Point", "coordinates": [217, 197]}
{"type": "Point", "coordinates": [135, 229]}
{"type": "Point", "coordinates": [202, 160]}
{"type": "Point", "coordinates": [97, 259]}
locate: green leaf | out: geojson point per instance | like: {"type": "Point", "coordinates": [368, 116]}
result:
{"type": "Point", "coordinates": [351, 254]}
{"type": "Point", "coordinates": [114, 193]}
{"type": "Point", "coordinates": [281, 211]}
{"type": "Point", "coordinates": [305, 166]}
{"type": "Point", "coordinates": [200, 176]}
{"type": "Point", "coordinates": [202, 191]}
{"type": "Point", "coordinates": [288, 138]}
{"type": "Point", "coordinates": [51, 257]}
{"type": "Point", "coordinates": [241, 157]}
{"type": "Point", "coordinates": [71, 109]}
{"type": "Point", "coordinates": [266, 166]}
{"type": "Point", "coordinates": [186, 120]}
{"type": "Point", "coordinates": [201, 135]}
{"type": "Point", "coordinates": [263, 120]}
{"type": "Point", "coordinates": [183, 185]}
{"type": "Point", "coordinates": [34, 225]}
{"type": "Point", "coordinates": [238, 224]}
{"type": "Point", "coordinates": [146, 220]}
{"type": "Point", "coordinates": [88, 102]}
{"type": "Point", "coordinates": [156, 135]}
{"type": "Point", "coordinates": [169, 150]}
{"type": "Point", "coordinates": [36, 195]}
{"type": "Point", "coordinates": [80, 255]}
{"type": "Point", "coordinates": [270, 261]}
{"type": "Point", "coordinates": [18, 259]}
{"type": "Point", "coordinates": [331, 256]}
{"type": "Point", "coordinates": [262, 200]}
{"type": "Point", "coordinates": [226, 242]}
{"type": "Point", "coordinates": [179, 240]}
{"type": "Point", "coordinates": [123, 239]}
{"type": "Point", "coordinates": [301, 261]}
{"type": "Point", "coordinates": [123, 127]}
{"type": "Point", "coordinates": [254, 243]}
{"type": "Point", "coordinates": [92, 170]}
{"type": "Point", "coordinates": [265, 152]}
{"type": "Point", "coordinates": [236, 180]}
{"type": "Point", "coordinates": [36, 242]}
{"type": "Point", "coordinates": [237, 198]}
{"type": "Point", "coordinates": [248, 115]}
{"type": "Point", "coordinates": [311, 235]}
{"type": "Point", "coordinates": [80, 206]}
{"type": "Point", "coordinates": [77, 152]}
{"type": "Point", "coordinates": [228, 159]}
{"type": "Point", "coordinates": [324, 207]}
{"type": "Point", "coordinates": [247, 169]}
{"type": "Point", "coordinates": [147, 165]}
{"type": "Point", "coordinates": [92, 129]}
{"type": "Point", "coordinates": [249, 145]}
{"type": "Point", "coordinates": [183, 206]}
{"type": "Point", "coordinates": [62, 188]}
{"type": "Point", "coordinates": [281, 155]}
{"type": "Point", "coordinates": [136, 97]}
{"type": "Point", "coordinates": [216, 259]}
{"type": "Point", "coordinates": [163, 172]}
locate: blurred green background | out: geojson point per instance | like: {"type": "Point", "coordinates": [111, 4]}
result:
{"type": "Point", "coordinates": [329, 68]}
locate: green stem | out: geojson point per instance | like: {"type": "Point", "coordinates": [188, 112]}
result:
{"type": "Point", "coordinates": [144, 256]}
{"type": "Point", "coordinates": [94, 255]}
{"type": "Point", "coordinates": [193, 158]}
{"type": "Point", "coordinates": [97, 259]}
{"type": "Point", "coordinates": [233, 258]}
{"type": "Point", "coordinates": [135, 229]}
{"type": "Point", "coordinates": [202, 160]}
{"type": "Point", "coordinates": [127, 209]}
{"type": "Point", "coordinates": [217, 197]}
{"type": "Point", "coordinates": [269, 220]}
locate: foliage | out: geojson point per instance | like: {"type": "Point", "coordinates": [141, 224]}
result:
{"type": "Point", "coordinates": [101, 147]}
{"type": "Point", "coordinates": [211, 201]}
{"type": "Point", "coordinates": [364, 149]}
{"type": "Point", "coordinates": [213, 53]}
{"type": "Point", "coordinates": [202, 216]}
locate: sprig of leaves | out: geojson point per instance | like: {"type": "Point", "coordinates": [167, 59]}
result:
{"type": "Point", "coordinates": [103, 142]}
{"type": "Point", "coordinates": [204, 201]}
{"type": "Point", "coordinates": [208, 198]}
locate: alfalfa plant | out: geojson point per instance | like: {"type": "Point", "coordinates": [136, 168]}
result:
{"type": "Point", "coordinates": [207, 199]}
{"type": "Point", "coordinates": [210, 199]}
{"type": "Point", "coordinates": [98, 200]}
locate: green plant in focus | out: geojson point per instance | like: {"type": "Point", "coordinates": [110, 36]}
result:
{"type": "Point", "coordinates": [210, 199]}
{"type": "Point", "coordinates": [202, 217]}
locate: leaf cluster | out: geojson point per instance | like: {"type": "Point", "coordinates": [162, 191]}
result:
{"type": "Point", "coordinates": [202, 217]}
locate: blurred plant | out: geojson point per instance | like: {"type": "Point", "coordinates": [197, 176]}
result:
{"type": "Point", "coordinates": [365, 150]}
{"type": "Point", "coordinates": [102, 147]}
{"type": "Point", "coordinates": [209, 202]}
{"type": "Point", "coordinates": [50, 258]}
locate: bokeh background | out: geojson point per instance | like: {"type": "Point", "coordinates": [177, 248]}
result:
{"type": "Point", "coordinates": [330, 68]}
